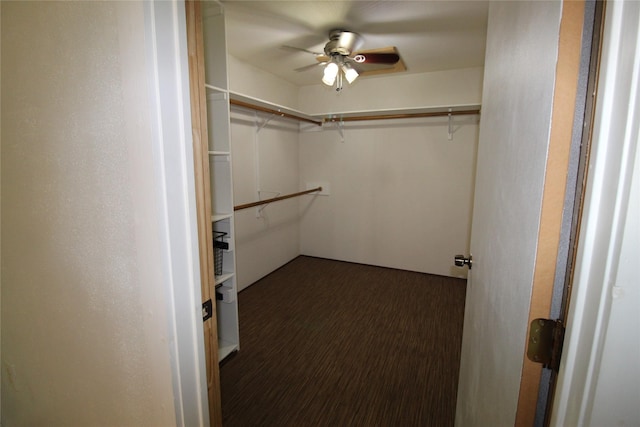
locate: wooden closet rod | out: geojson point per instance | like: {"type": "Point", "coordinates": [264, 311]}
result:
{"type": "Point", "coordinates": [275, 199]}
{"type": "Point", "coordinates": [272, 111]}
{"type": "Point", "coordinates": [402, 116]}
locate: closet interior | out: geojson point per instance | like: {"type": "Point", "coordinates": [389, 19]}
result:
{"type": "Point", "coordinates": [381, 173]}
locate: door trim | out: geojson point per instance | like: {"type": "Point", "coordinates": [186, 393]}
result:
{"type": "Point", "coordinates": [614, 161]}
{"type": "Point", "coordinates": [167, 85]}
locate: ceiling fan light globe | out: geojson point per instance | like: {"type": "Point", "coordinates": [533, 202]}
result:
{"type": "Point", "coordinates": [330, 74]}
{"type": "Point", "coordinates": [351, 74]}
{"type": "Point", "coordinates": [329, 81]}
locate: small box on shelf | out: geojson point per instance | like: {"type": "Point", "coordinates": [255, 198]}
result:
{"type": "Point", "coordinates": [225, 294]}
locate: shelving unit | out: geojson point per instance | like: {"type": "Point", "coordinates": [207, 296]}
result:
{"type": "Point", "coordinates": [402, 113]}
{"type": "Point", "coordinates": [245, 101]}
{"type": "Point", "coordinates": [220, 168]}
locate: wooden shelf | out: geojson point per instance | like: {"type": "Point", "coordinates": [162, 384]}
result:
{"type": "Point", "coordinates": [214, 88]}
{"type": "Point", "coordinates": [349, 116]}
{"type": "Point", "coordinates": [223, 277]}
{"type": "Point", "coordinates": [220, 216]}
{"type": "Point", "coordinates": [271, 108]}
{"type": "Point", "coordinates": [402, 113]}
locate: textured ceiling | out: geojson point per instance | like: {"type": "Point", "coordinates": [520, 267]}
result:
{"type": "Point", "coordinates": [430, 35]}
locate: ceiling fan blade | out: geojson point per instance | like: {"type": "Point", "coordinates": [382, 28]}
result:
{"type": "Point", "coordinates": [371, 68]}
{"type": "Point", "coordinates": [310, 66]}
{"type": "Point", "coordinates": [299, 49]}
{"type": "Point", "coordinates": [376, 58]}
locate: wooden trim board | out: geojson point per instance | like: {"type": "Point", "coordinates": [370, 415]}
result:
{"type": "Point", "coordinates": [567, 71]}
{"type": "Point", "coordinates": [203, 199]}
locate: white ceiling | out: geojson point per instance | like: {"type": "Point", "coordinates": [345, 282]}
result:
{"type": "Point", "coordinates": [430, 35]}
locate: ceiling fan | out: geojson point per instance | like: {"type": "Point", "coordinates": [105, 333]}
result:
{"type": "Point", "coordinates": [343, 60]}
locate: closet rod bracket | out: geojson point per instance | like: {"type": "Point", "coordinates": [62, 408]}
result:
{"type": "Point", "coordinates": [260, 208]}
{"type": "Point", "coordinates": [264, 123]}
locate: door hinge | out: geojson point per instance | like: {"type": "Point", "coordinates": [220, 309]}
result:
{"type": "Point", "coordinates": [207, 310]}
{"type": "Point", "coordinates": [546, 337]}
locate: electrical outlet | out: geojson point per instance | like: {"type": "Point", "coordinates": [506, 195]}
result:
{"type": "Point", "coordinates": [207, 310]}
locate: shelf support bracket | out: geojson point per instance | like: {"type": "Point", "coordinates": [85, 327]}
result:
{"type": "Point", "coordinates": [264, 123]}
{"type": "Point", "coordinates": [450, 134]}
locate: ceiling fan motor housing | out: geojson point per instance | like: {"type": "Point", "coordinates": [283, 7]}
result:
{"type": "Point", "coordinates": [342, 43]}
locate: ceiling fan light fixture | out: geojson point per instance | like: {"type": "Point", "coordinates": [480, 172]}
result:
{"type": "Point", "coordinates": [330, 73]}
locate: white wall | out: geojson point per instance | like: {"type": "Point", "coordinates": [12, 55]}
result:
{"type": "Point", "coordinates": [520, 65]}
{"type": "Point", "coordinates": [400, 191]}
{"type": "Point", "coordinates": [266, 237]}
{"type": "Point", "coordinates": [86, 334]}
{"type": "Point", "coordinates": [265, 159]}
{"type": "Point", "coordinates": [435, 89]}
{"type": "Point", "coordinates": [0, 204]}
{"type": "Point", "coordinates": [249, 80]}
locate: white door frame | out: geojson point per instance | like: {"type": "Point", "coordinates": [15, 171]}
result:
{"type": "Point", "coordinates": [168, 86]}
{"type": "Point", "coordinates": [609, 207]}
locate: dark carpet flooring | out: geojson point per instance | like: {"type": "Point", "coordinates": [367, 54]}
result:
{"type": "Point", "coordinates": [329, 343]}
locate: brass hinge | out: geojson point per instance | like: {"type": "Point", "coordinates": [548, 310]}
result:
{"type": "Point", "coordinates": [546, 337]}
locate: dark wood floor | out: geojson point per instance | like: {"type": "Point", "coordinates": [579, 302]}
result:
{"type": "Point", "coordinates": [329, 343]}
